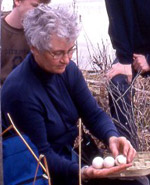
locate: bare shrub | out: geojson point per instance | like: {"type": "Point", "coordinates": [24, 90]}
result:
{"type": "Point", "coordinates": [99, 86]}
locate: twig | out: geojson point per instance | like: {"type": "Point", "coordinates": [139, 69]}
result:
{"type": "Point", "coordinates": [80, 138]}
{"type": "Point", "coordinates": [48, 174]}
{"type": "Point", "coordinates": [6, 130]}
{"type": "Point", "coordinates": [45, 163]}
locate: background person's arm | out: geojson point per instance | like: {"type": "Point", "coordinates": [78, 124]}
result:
{"type": "Point", "coordinates": [121, 28]}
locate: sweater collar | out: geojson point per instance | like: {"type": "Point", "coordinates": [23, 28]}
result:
{"type": "Point", "coordinates": [40, 73]}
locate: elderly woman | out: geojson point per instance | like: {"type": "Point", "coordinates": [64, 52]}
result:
{"type": "Point", "coordinates": [46, 94]}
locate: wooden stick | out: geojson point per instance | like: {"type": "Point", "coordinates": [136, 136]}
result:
{"type": "Point", "coordinates": [48, 174]}
{"type": "Point", "coordinates": [34, 155]}
{"type": "Point", "coordinates": [6, 130]}
{"type": "Point", "coordinates": [45, 164]}
{"type": "Point", "coordinates": [36, 171]}
{"type": "Point", "coordinates": [80, 138]}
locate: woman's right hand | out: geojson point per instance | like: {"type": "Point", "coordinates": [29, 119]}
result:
{"type": "Point", "coordinates": [92, 173]}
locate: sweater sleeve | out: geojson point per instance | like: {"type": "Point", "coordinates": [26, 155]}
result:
{"type": "Point", "coordinates": [121, 26]}
{"type": "Point", "coordinates": [28, 117]}
{"type": "Point", "coordinates": [95, 119]}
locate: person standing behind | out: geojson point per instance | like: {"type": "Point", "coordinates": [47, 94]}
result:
{"type": "Point", "coordinates": [129, 30]}
{"type": "Point", "coordinates": [14, 45]}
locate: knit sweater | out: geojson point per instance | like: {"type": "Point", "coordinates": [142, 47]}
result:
{"type": "Point", "coordinates": [46, 108]}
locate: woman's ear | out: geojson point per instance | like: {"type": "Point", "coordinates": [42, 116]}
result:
{"type": "Point", "coordinates": [17, 3]}
{"type": "Point", "coordinates": [34, 51]}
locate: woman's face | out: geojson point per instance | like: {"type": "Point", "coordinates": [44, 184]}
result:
{"type": "Point", "coordinates": [55, 60]}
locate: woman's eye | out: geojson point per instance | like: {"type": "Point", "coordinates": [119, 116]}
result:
{"type": "Point", "coordinates": [58, 53]}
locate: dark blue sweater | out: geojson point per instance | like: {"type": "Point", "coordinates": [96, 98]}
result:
{"type": "Point", "coordinates": [129, 28]}
{"type": "Point", "coordinates": [46, 107]}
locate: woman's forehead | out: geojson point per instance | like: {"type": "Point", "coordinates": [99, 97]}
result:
{"type": "Point", "coordinates": [61, 43]}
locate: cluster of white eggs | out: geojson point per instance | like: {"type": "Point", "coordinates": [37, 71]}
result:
{"type": "Point", "coordinates": [107, 162]}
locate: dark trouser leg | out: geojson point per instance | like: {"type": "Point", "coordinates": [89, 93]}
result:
{"type": "Point", "coordinates": [120, 102]}
{"type": "Point", "coordinates": [140, 181]}
{"type": "Point", "coordinates": [149, 178]}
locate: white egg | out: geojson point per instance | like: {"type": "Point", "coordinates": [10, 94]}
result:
{"type": "Point", "coordinates": [97, 162]}
{"type": "Point", "coordinates": [109, 162]}
{"type": "Point", "coordinates": [120, 159]}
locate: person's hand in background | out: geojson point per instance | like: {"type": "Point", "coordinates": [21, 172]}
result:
{"type": "Point", "coordinates": [119, 68]}
{"type": "Point", "coordinates": [140, 63]}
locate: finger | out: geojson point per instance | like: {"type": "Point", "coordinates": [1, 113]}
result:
{"type": "Point", "coordinates": [135, 55]}
{"type": "Point", "coordinates": [136, 65]}
{"type": "Point", "coordinates": [131, 154]}
{"type": "Point", "coordinates": [118, 169]}
{"type": "Point", "coordinates": [136, 60]}
{"type": "Point", "coordinates": [124, 145]}
{"type": "Point", "coordinates": [108, 171]}
{"type": "Point", "coordinates": [89, 172]}
{"type": "Point", "coordinates": [111, 73]}
{"type": "Point", "coordinates": [113, 146]}
{"type": "Point", "coordinates": [129, 78]}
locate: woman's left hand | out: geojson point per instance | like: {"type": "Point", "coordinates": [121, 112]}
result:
{"type": "Point", "coordinates": [120, 145]}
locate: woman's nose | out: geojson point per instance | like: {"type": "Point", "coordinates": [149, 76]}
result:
{"type": "Point", "coordinates": [66, 58]}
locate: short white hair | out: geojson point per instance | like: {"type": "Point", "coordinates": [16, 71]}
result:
{"type": "Point", "coordinates": [42, 22]}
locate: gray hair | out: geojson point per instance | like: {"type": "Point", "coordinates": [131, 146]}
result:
{"type": "Point", "coordinates": [41, 23]}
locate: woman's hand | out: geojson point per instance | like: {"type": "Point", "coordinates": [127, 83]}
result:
{"type": "Point", "coordinates": [117, 145]}
{"type": "Point", "coordinates": [120, 145]}
{"type": "Point", "coordinates": [92, 173]}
